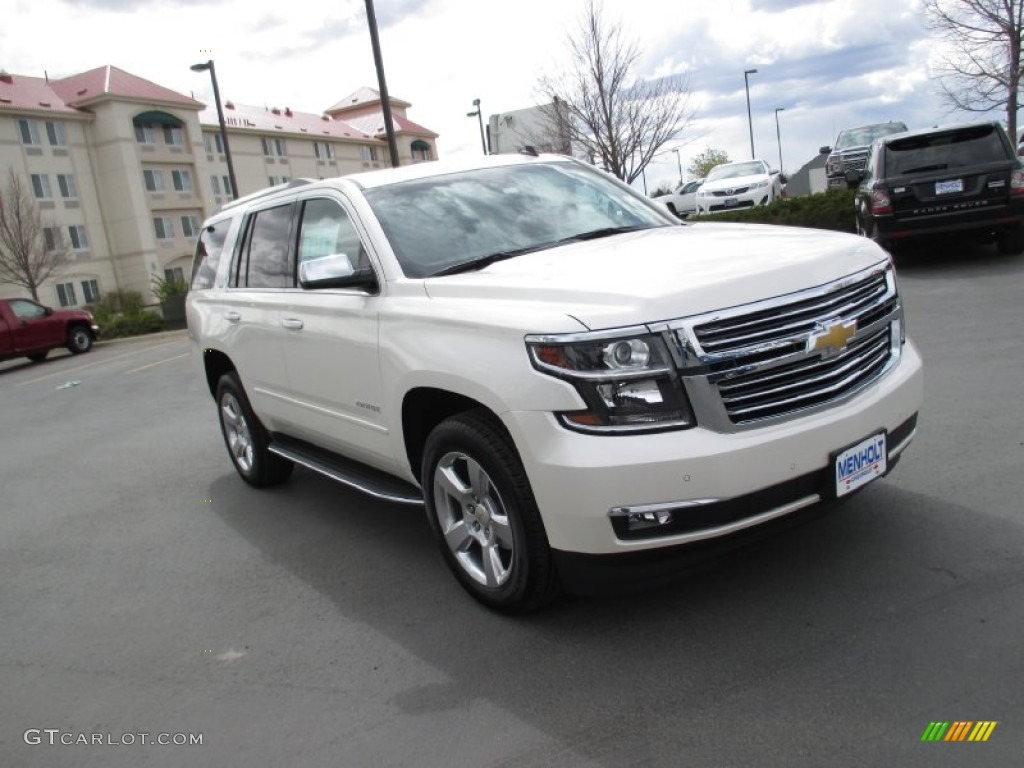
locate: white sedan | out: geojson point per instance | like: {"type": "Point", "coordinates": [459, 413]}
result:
{"type": "Point", "coordinates": [733, 186]}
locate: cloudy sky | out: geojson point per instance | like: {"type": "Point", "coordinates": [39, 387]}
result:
{"type": "Point", "coordinates": [829, 63]}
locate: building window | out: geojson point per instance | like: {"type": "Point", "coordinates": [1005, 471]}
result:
{"type": "Point", "coordinates": [154, 180]}
{"type": "Point", "coordinates": [228, 190]}
{"type": "Point", "coordinates": [190, 226]}
{"type": "Point", "coordinates": [66, 294]}
{"type": "Point", "coordinates": [29, 132]}
{"type": "Point", "coordinates": [90, 291]}
{"type": "Point", "coordinates": [213, 143]}
{"type": "Point", "coordinates": [51, 238]}
{"type": "Point", "coordinates": [182, 180]}
{"type": "Point", "coordinates": [215, 183]}
{"type": "Point", "coordinates": [79, 241]}
{"type": "Point", "coordinates": [41, 186]}
{"type": "Point", "coordinates": [163, 226]}
{"type": "Point", "coordinates": [55, 134]}
{"type": "Point", "coordinates": [144, 133]}
{"type": "Point", "coordinates": [420, 151]}
{"type": "Point", "coordinates": [173, 136]}
{"type": "Point", "coordinates": [323, 150]}
{"type": "Point", "coordinates": [370, 154]}
{"type": "Point", "coordinates": [273, 147]}
{"type": "Point", "coordinates": [275, 180]}
{"type": "Point", "coordinates": [66, 182]}
{"type": "Point", "coordinates": [174, 275]}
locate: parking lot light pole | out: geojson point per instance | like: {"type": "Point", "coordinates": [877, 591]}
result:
{"type": "Point", "coordinates": [208, 65]}
{"type": "Point", "coordinates": [477, 114]}
{"type": "Point", "coordinates": [750, 120]}
{"type": "Point", "coordinates": [778, 135]}
{"type": "Point", "coordinates": [680, 164]}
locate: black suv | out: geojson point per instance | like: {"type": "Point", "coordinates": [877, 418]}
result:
{"type": "Point", "coordinates": [963, 179]}
{"type": "Point", "coordinates": [851, 150]}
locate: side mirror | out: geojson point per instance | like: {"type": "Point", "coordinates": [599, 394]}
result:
{"type": "Point", "coordinates": [48, 311]}
{"type": "Point", "coordinates": [824, 150]}
{"type": "Point", "coordinates": [334, 271]}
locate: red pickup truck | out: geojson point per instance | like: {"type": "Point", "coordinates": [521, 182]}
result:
{"type": "Point", "coordinates": [28, 329]}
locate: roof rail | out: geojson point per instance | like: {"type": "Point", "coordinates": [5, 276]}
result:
{"type": "Point", "coordinates": [265, 192]}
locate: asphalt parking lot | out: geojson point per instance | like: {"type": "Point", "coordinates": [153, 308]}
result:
{"type": "Point", "coordinates": [146, 589]}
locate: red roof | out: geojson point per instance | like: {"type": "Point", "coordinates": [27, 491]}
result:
{"type": "Point", "coordinates": [79, 90]}
{"type": "Point", "coordinates": [19, 92]}
{"type": "Point", "coordinates": [374, 125]}
{"type": "Point", "coordinates": [281, 120]}
{"type": "Point", "coordinates": [361, 98]}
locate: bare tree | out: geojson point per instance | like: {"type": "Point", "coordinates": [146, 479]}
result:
{"type": "Point", "coordinates": [982, 69]}
{"type": "Point", "coordinates": [26, 258]}
{"type": "Point", "coordinates": [702, 164]}
{"type": "Point", "coordinates": [605, 110]}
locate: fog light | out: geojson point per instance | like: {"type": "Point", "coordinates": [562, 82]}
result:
{"type": "Point", "coordinates": [641, 521]}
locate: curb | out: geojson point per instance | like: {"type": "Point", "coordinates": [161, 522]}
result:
{"type": "Point", "coordinates": [142, 337]}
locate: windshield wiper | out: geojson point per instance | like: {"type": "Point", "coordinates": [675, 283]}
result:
{"type": "Point", "coordinates": [923, 168]}
{"type": "Point", "coordinates": [596, 234]}
{"type": "Point", "coordinates": [485, 261]}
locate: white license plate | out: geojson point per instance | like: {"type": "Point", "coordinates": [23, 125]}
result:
{"type": "Point", "coordinates": [859, 464]}
{"type": "Point", "coordinates": [731, 202]}
{"type": "Point", "coordinates": [949, 187]}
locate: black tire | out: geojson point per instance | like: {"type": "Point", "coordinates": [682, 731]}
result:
{"type": "Point", "coordinates": [672, 209]}
{"type": "Point", "coordinates": [38, 357]}
{"type": "Point", "coordinates": [245, 437]}
{"type": "Point", "coordinates": [79, 339]}
{"type": "Point", "coordinates": [1011, 243]}
{"type": "Point", "coordinates": [500, 554]}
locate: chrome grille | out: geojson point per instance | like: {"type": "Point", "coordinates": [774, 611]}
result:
{"type": "Point", "coordinates": [762, 363]}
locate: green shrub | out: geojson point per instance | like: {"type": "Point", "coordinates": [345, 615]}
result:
{"type": "Point", "coordinates": [830, 210]}
{"type": "Point", "coordinates": [166, 287]}
{"type": "Point", "coordinates": [119, 302]}
{"type": "Point", "coordinates": [119, 326]}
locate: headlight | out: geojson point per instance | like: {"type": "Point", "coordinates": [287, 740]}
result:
{"type": "Point", "coordinates": [627, 381]}
{"type": "Point", "coordinates": [760, 184]}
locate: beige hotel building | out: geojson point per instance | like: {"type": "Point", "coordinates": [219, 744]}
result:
{"type": "Point", "coordinates": [124, 170]}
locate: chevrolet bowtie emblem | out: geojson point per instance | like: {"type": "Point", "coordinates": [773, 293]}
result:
{"type": "Point", "coordinates": [832, 338]}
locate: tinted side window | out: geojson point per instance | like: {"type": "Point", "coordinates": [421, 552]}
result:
{"type": "Point", "coordinates": [268, 249]}
{"type": "Point", "coordinates": [208, 254]}
{"type": "Point", "coordinates": [327, 230]}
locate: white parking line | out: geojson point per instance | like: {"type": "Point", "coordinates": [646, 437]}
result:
{"type": "Point", "coordinates": [66, 371]}
{"type": "Point", "coordinates": [158, 362]}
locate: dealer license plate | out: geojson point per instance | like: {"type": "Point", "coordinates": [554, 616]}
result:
{"type": "Point", "coordinates": [859, 464]}
{"type": "Point", "coordinates": [731, 202]}
{"type": "Point", "coordinates": [949, 187]}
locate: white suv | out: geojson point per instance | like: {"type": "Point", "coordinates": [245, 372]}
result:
{"type": "Point", "coordinates": [560, 371]}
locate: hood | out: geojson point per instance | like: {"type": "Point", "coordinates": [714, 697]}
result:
{"type": "Point", "coordinates": [738, 181]}
{"type": "Point", "coordinates": [665, 273]}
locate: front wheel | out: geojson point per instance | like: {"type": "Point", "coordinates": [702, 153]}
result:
{"type": "Point", "coordinates": [79, 340]}
{"type": "Point", "coordinates": [482, 511]}
{"type": "Point", "coordinates": [245, 437]}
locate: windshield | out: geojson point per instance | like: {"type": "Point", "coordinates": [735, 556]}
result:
{"type": "Point", "coordinates": [438, 223]}
{"type": "Point", "coordinates": [735, 170]}
{"type": "Point", "coordinates": [863, 136]}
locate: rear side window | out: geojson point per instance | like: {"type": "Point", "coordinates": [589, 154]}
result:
{"type": "Point", "coordinates": [268, 251]}
{"type": "Point", "coordinates": [948, 149]}
{"type": "Point", "coordinates": [208, 253]}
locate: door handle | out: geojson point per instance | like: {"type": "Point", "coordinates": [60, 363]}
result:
{"type": "Point", "coordinates": [292, 323]}
{"type": "Point", "coordinates": [231, 316]}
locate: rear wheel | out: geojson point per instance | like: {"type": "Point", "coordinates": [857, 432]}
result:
{"type": "Point", "coordinates": [79, 339]}
{"type": "Point", "coordinates": [1011, 243]}
{"type": "Point", "coordinates": [482, 511]}
{"type": "Point", "coordinates": [245, 437]}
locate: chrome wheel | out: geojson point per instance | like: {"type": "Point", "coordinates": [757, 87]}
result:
{"type": "Point", "coordinates": [79, 340]}
{"type": "Point", "coordinates": [473, 519]}
{"type": "Point", "coordinates": [236, 431]}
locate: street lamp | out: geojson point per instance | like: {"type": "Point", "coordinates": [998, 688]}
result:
{"type": "Point", "coordinates": [479, 117]}
{"type": "Point", "coordinates": [778, 135]}
{"type": "Point", "coordinates": [382, 85]}
{"type": "Point", "coordinates": [208, 65]}
{"type": "Point", "coordinates": [750, 121]}
{"type": "Point", "coordinates": [680, 164]}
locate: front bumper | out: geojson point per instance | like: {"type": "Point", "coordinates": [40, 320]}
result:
{"type": "Point", "coordinates": [579, 479]}
{"type": "Point", "coordinates": [749, 199]}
